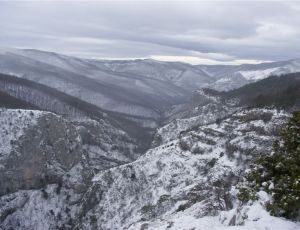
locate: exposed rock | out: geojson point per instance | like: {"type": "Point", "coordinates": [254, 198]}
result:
{"type": "Point", "coordinates": [43, 154]}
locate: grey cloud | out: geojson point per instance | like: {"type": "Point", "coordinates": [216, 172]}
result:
{"type": "Point", "coordinates": [217, 30]}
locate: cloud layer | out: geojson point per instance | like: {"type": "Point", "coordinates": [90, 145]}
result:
{"type": "Point", "coordinates": [196, 32]}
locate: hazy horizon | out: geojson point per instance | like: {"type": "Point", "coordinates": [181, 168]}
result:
{"type": "Point", "coordinates": [225, 32]}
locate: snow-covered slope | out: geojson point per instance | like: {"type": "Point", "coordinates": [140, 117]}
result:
{"type": "Point", "coordinates": [201, 110]}
{"type": "Point", "coordinates": [231, 77]}
{"type": "Point", "coordinates": [181, 74]}
{"type": "Point", "coordinates": [190, 77]}
{"type": "Point", "coordinates": [190, 179]}
{"type": "Point", "coordinates": [187, 181]}
{"type": "Point", "coordinates": [21, 91]}
{"type": "Point", "coordinates": [137, 87]}
{"type": "Point", "coordinates": [46, 165]}
{"type": "Point", "coordinates": [256, 218]}
{"type": "Point", "coordinates": [93, 82]}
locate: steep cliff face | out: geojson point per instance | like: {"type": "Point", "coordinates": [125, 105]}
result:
{"type": "Point", "coordinates": [200, 167]}
{"type": "Point", "coordinates": [42, 170]}
{"type": "Point", "coordinates": [46, 166]}
{"type": "Point", "coordinates": [42, 151]}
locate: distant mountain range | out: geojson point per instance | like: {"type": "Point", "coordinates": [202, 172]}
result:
{"type": "Point", "coordinates": [144, 88]}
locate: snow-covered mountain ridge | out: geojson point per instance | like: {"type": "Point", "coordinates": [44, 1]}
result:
{"type": "Point", "coordinates": [231, 77]}
{"type": "Point", "coordinates": [135, 87]}
{"type": "Point", "coordinates": [189, 178]}
{"type": "Point", "coordinates": [93, 82]}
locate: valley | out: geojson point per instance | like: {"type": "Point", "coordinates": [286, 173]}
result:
{"type": "Point", "coordinates": [137, 144]}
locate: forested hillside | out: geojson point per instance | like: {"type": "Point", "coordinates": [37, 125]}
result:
{"type": "Point", "coordinates": [279, 91]}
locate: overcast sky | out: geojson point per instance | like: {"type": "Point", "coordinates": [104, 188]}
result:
{"type": "Point", "coordinates": [195, 32]}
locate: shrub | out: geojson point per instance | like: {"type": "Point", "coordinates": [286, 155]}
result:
{"type": "Point", "coordinates": [45, 194]}
{"type": "Point", "coordinates": [183, 144]}
{"type": "Point", "coordinates": [157, 140]}
{"type": "Point", "coordinates": [147, 209]}
{"type": "Point", "coordinates": [258, 129]}
{"type": "Point", "coordinates": [246, 194]}
{"type": "Point", "coordinates": [279, 173]}
{"type": "Point", "coordinates": [230, 149]}
{"type": "Point", "coordinates": [59, 186]}
{"type": "Point", "coordinates": [267, 116]}
{"type": "Point", "coordinates": [212, 162]}
{"type": "Point", "coordinates": [197, 150]}
{"type": "Point", "coordinates": [257, 115]}
{"type": "Point", "coordinates": [183, 207]}
{"type": "Point", "coordinates": [59, 217]}
{"type": "Point", "coordinates": [221, 190]}
{"type": "Point", "coordinates": [93, 219]}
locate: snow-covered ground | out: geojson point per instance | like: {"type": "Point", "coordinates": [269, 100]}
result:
{"type": "Point", "coordinates": [46, 164]}
{"type": "Point", "coordinates": [189, 181]}
{"type": "Point", "coordinates": [256, 218]}
{"type": "Point", "coordinates": [255, 75]}
{"type": "Point", "coordinates": [177, 184]}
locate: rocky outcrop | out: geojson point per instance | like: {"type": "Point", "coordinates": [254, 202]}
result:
{"type": "Point", "coordinates": [46, 166]}
{"type": "Point", "coordinates": [42, 155]}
